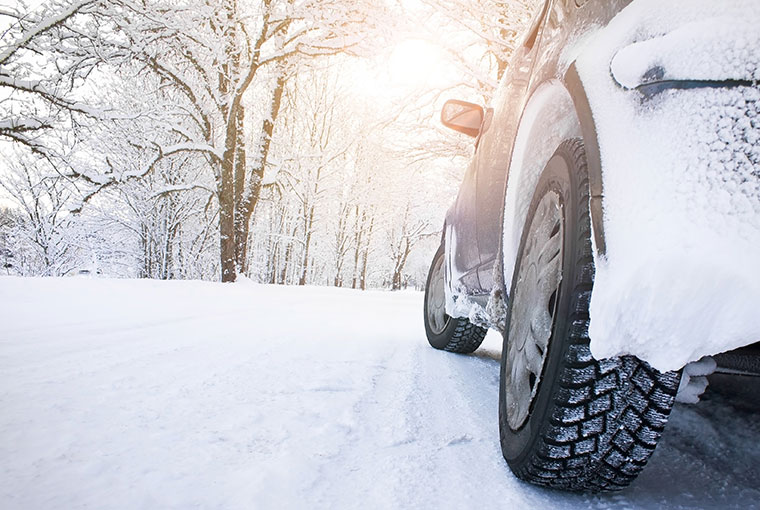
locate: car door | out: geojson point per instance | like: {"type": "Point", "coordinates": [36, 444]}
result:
{"type": "Point", "coordinates": [461, 236]}
{"type": "Point", "coordinates": [495, 146]}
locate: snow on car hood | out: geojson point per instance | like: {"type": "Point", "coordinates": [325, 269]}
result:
{"type": "Point", "coordinates": [717, 49]}
{"type": "Point", "coordinates": [681, 172]}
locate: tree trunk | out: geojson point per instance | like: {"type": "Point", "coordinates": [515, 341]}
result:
{"type": "Point", "coordinates": [363, 278]}
{"type": "Point", "coordinates": [286, 264]}
{"type": "Point", "coordinates": [227, 207]}
{"type": "Point", "coordinates": [307, 243]}
{"type": "Point", "coordinates": [400, 262]}
{"type": "Point", "coordinates": [365, 256]}
{"type": "Point", "coordinates": [246, 203]}
{"type": "Point", "coordinates": [274, 254]}
{"type": "Point", "coordinates": [288, 255]}
{"type": "Point", "coordinates": [358, 243]}
{"type": "Point", "coordinates": [241, 217]}
{"type": "Point", "coordinates": [227, 245]}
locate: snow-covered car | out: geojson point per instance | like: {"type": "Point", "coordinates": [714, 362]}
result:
{"type": "Point", "coordinates": [609, 227]}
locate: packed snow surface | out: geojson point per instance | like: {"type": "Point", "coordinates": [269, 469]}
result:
{"type": "Point", "coordinates": [681, 175]}
{"type": "Point", "coordinates": [119, 394]}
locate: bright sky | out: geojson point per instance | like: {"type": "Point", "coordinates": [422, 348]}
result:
{"type": "Point", "coordinates": [412, 65]}
{"type": "Point", "coordinates": [418, 64]}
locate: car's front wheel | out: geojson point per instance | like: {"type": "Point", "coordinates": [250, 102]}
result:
{"type": "Point", "coordinates": [443, 331]}
{"type": "Point", "coordinates": [567, 420]}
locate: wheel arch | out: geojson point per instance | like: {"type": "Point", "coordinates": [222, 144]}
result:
{"type": "Point", "coordinates": [593, 155]}
{"type": "Point", "coordinates": [556, 111]}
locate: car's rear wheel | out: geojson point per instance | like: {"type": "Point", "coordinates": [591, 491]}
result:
{"type": "Point", "coordinates": [444, 332]}
{"type": "Point", "coordinates": [567, 420]}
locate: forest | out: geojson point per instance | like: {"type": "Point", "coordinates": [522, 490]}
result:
{"type": "Point", "coordinates": [282, 141]}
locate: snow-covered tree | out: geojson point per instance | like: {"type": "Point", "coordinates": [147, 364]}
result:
{"type": "Point", "coordinates": [204, 139]}
{"type": "Point", "coordinates": [46, 238]}
{"type": "Point", "coordinates": [46, 55]}
{"type": "Point", "coordinates": [227, 64]}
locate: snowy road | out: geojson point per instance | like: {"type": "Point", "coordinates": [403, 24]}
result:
{"type": "Point", "coordinates": [145, 394]}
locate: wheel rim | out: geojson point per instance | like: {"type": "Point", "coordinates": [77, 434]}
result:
{"type": "Point", "coordinates": [436, 299]}
{"type": "Point", "coordinates": [534, 308]}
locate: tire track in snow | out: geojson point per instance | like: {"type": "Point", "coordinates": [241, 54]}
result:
{"type": "Point", "coordinates": [426, 436]}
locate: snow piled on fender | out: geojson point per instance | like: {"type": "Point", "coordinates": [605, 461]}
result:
{"type": "Point", "coordinates": [681, 172]}
{"type": "Point", "coordinates": [695, 51]}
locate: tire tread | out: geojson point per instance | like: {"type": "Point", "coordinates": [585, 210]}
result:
{"type": "Point", "coordinates": [466, 338]}
{"type": "Point", "coordinates": [607, 415]}
{"type": "Point", "coordinates": [459, 335]}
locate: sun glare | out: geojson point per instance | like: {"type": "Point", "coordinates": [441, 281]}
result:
{"type": "Point", "coordinates": [417, 64]}
{"type": "Point", "coordinates": [411, 66]}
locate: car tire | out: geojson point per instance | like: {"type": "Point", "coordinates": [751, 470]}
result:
{"type": "Point", "coordinates": [567, 420]}
{"type": "Point", "coordinates": [443, 331]}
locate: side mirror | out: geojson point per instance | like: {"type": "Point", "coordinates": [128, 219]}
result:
{"type": "Point", "coordinates": [462, 116]}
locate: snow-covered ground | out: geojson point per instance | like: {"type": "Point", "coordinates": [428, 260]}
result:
{"type": "Point", "coordinates": [146, 394]}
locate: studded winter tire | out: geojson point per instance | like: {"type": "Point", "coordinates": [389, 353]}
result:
{"type": "Point", "coordinates": [445, 332]}
{"type": "Point", "coordinates": [567, 420]}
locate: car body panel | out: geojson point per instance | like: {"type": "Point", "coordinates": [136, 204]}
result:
{"type": "Point", "coordinates": [542, 82]}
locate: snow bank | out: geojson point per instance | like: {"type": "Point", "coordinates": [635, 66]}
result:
{"type": "Point", "coordinates": [681, 173]}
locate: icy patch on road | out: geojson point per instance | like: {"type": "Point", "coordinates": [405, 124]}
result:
{"type": "Point", "coordinates": [681, 172]}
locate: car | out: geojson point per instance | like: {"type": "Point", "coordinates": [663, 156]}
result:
{"type": "Point", "coordinates": [609, 227]}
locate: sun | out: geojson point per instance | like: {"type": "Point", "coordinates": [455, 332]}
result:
{"type": "Point", "coordinates": [410, 68]}
{"type": "Point", "coordinates": [418, 64]}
